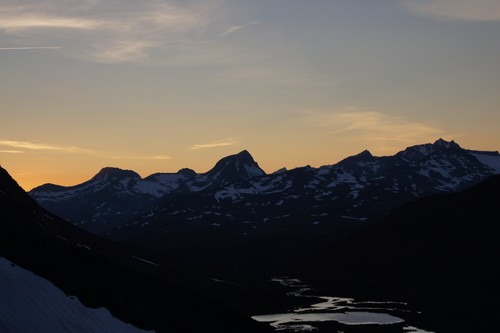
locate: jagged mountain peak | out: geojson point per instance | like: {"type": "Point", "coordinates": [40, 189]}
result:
{"type": "Point", "coordinates": [446, 144]}
{"type": "Point", "coordinates": [439, 146]}
{"type": "Point", "coordinates": [116, 172]}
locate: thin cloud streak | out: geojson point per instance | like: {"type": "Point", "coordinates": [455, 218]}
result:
{"type": "Point", "coordinates": [15, 23]}
{"type": "Point", "coordinates": [235, 28]}
{"type": "Point", "coordinates": [34, 146]}
{"type": "Point", "coordinates": [12, 151]}
{"type": "Point", "coordinates": [31, 48]}
{"type": "Point", "coordinates": [382, 127]}
{"type": "Point", "coordinates": [73, 150]}
{"type": "Point", "coordinates": [463, 10]}
{"type": "Point", "coordinates": [221, 143]}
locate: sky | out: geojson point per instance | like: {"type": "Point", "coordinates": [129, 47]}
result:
{"type": "Point", "coordinates": [159, 85]}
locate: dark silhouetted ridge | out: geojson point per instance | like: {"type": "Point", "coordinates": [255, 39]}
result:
{"type": "Point", "coordinates": [116, 172]}
{"type": "Point", "coordinates": [186, 172]}
{"type": "Point", "coordinates": [446, 144]}
{"type": "Point", "coordinates": [235, 167]}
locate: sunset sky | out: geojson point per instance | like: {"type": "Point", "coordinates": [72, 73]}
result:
{"type": "Point", "coordinates": [155, 86]}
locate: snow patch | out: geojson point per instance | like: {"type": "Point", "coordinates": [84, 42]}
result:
{"type": "Point", "coordinates": [355, 218]}
{"type": "Point", "coordinates": [489, 160]}
{"type": "Point", "coordinates": [146, 261]}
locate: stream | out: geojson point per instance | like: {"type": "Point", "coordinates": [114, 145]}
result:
{"type": "Point", "coordinates": [338, 314]}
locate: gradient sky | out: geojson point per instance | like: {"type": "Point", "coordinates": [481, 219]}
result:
{"type": "Point", "coordinates": [155, 86]}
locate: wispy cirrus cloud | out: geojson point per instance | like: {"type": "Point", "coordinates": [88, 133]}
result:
{"type": "Point", "coordinates": [383, 133]}
{"type": "Point", "coordinates": [74, 150]}
{"type": "Point", "coordinates": [215, 144]}
{"type": "Point", "coordinates": [36, 146]}
{"type": "Point", "coordinates": [235, 28]}
{"type": "Point", "coordinates": [464, 10]}
{"type": "Point", "coordinates": [108, 31]}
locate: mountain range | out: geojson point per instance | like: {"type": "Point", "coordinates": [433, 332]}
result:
{"type": "Point", "coordinates": [114, 196]}
{"type": "Point", "coordinates": [212, 220]}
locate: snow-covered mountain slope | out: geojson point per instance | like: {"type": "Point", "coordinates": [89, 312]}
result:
{"type": "Point", "coordinates": [30, 303]}
{"type": "Point", "coordinates": [230, 169]}
{"type": "Point", "coordinates": [110, 197]}
{"type": "Point", "coordinates": [489, 158]}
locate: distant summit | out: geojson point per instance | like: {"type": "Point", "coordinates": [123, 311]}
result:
{"type": "Point", "coordinates": [364, 156]}
{"type": "Point", "coordinates": [234, 168]}
{"type": "Point", "coordinates": [280, 171]}
{"type": "Point", "coordinates": [116, 172]}
{"type": "Point", "coordinates": [446, 144]}
{"type": "Point", "coordinates": [186, 172]}
{"type": "Point", "coordinates": [440, 146]}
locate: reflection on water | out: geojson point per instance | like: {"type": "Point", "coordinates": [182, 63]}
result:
{"type": "Point", "coordinates": [347, 318]}
{"type": "Point", "coordinates": [342, 310]}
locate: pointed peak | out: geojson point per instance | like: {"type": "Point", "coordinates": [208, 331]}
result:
{"type": "Point", "coordinates": [364, 156]}
{"type": "Point", "coordinates": [10, 189]}
{"type": "Point", "coordinates": [7, 183]}
{"type": "Point", "coordinates": [364, 153]}
{"type": "Point", "coordinates": [280, 171]}
{"type": "Point", "coordinates": [244, 155]}
{"type": "Point", "coordinates": [116, 172]}
{"type": "Point", "coordinates": [236, 167]}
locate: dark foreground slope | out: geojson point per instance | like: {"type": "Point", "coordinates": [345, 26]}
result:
{"type": "Point", "coordinates": [101, 273]}
{"type": "Point", "coordinates": [440, 253]}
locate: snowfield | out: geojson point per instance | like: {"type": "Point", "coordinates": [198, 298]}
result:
{"type": "Point", "coordinates": [29, 303]}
